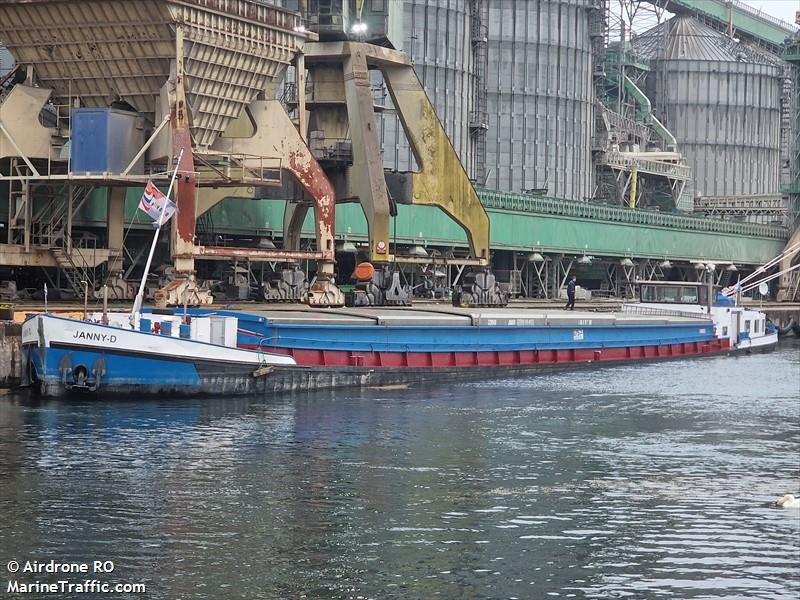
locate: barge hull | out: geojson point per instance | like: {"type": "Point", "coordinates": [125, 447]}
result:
{"type": "Point", "coordinates": [288, 379]}
{"type": "Point", "coordinates": [493, 358]}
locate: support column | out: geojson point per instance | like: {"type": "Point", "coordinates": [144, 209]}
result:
{"type": "Point", "coordinates": [183, 228]}
{"type": "Point", "coordinates": [293, 218]}
{"type": "Point", "coordinates": [115, 227]}
{"type": "Point", "coordinates": [441, 180]}
{"type": "Point", "coordinates": [302, 118]}
{"type": "Point", "coordinates": [368, 181]}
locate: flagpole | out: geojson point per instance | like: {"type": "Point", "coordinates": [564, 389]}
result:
{"type": "Point", "coordinates": [137, 303]}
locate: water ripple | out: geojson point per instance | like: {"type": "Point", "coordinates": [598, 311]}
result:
{"type": "Point", "coordinates": [638, 482]}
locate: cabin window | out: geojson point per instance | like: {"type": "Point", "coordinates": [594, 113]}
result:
{"type": "Point", "coordinates": [668, 293]}
{"type": "Point", "coordinates": [747, 325]}
{"type": "Point", "coordinates": [755, 326]}
{"type": "Point", "coordinates": [673, 294]}
{"type": "Point", "coordinates": [724, 332]}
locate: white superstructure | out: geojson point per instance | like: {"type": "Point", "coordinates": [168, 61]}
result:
{"type": "Point", "coordinates": [746, 329]}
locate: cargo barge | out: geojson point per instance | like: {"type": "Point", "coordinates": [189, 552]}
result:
{"type": "Point", "coordinates": [295, 348]}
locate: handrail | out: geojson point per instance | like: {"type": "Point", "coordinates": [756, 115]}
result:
{"type": "Point", "coordinates": [675, 170]}
{"type": "Point", "coordinates": [654, 311]}
{"type": "Point", "coordinates": [760, 14]}
{"type": "Point", "coordinates": [606, 212]}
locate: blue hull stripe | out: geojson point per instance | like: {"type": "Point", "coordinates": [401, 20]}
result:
{"type": "Point", "coordinates": [121, 368]}
{"type": "Point", "coordinates": [467, 339]}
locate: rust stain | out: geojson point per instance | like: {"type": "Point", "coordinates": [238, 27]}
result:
{"type": "Point", "coordinates": [185, 183]}
{"type": "Point", "coordinates": [306, 169]}
{"type": "Point", "coordinates": [233, 252]}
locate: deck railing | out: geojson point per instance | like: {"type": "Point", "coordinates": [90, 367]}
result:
{"type": "Point", "coordinates": [655, 311]}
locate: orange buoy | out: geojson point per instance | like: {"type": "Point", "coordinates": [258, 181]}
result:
{"type": "Point", "coordinates": [364, 271]}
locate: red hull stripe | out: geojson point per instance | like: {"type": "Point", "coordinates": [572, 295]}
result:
{"type": "Point", "coordinates": [351, 358]}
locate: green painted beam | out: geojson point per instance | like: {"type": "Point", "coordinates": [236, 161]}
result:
{"type": "Point", "coordinates": [523, 223]}
{"type": "Point", "coordinates": [513, 230]}
{"type": "Point", "coordinates": [757, 25]}
{"type": "Point", "coordinates": [609, 239]}
{"type": "Point", "coordinates": [527, 203]}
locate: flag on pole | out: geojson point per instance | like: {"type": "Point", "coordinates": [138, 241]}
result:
{"type": "Point", "coordinates": [154, 202]}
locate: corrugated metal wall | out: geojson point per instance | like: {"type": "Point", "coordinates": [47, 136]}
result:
{"type": "Point", "coordinates": [726, 118]}
{"type": "Point", "coordinates": [539, 89]}
{"type": "Point", "coordinates": [436, 35]}
{"type": "Point", "coordinates": [6, 61]}
{"type": "Point", "coordinates": [540, 96]}
{"type": "Point", "coordinates": [722, 101]}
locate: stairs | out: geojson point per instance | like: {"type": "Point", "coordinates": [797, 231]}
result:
{"type": "Point", "coordinates": [52, 222]}
{"type": "Point", "coordinates": [19, 205]}
{"type": "Point", "coordinates": [77, 276]}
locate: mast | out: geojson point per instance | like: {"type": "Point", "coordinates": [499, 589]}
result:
{"type": "Point", "coordinates": [137, 303]}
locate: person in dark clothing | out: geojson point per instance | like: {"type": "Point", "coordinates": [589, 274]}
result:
{"type": "Point", "coordinates": [571, 293]}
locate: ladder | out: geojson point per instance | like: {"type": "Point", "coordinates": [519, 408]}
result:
{"type": "Point", "coordinates": [19, 205]}
{"type": "Point", "coordinates": [478, 118]}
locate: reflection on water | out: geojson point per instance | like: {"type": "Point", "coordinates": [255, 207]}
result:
{"type": "Point", "coordinates": [642, 482]}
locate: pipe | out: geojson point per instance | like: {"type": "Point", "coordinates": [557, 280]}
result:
{"type": "Point", "coordinates": [634, 181]}
{"type": "Point", "coordinates": [646, 112]}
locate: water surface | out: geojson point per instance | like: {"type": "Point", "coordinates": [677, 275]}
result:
{"type": "Point", "coordinates": [649, 481]}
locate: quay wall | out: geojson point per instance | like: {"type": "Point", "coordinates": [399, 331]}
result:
{"type": "Point", "coordinates": [10, 354]}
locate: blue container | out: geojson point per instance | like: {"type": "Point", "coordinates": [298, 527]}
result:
{"type": "Point", "coordinates": [186, 331]}
{"type": "Point", "coordinates": [166, 328]}
{"type": "Point", "coordinates": [105, 140]}
{"type": "Point", "coordinates": [145, 325]}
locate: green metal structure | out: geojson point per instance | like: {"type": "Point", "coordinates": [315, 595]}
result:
{"type": "Point", "coordinates": [519, 222]}
{"type": "Point", "coordinates": [764, 29]}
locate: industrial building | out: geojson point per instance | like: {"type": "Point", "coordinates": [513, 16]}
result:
{"type": "Point", "coordinates": [513, 143]}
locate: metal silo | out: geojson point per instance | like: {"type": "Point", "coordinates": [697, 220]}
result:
{"type": "Point", "coordinates": [6, 61]}
{"type": "Point", "coordinates": [436, 34]}
{"type": "Point", "coordinates": [540, 97]}
{"type": "Point", "coordinates": [722, 101]}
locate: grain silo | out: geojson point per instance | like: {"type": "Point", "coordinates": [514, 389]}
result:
{"type": "Point", "coordinates": [436, 34]}
{"type": "Point", "coordinates": [722, 101]}
{"type": "Point", "coordinates": [520, 71]}
{"type": "Point", "coordinates": [540, 97]}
